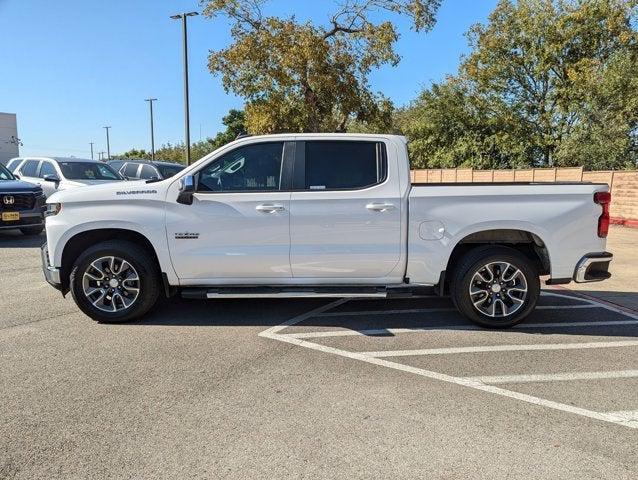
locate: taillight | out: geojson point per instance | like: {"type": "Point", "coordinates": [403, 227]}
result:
{"type": "Point", "coordinates": [603, 199]}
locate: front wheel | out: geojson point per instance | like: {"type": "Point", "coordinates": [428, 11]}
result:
{"type": "Point", "coordinates": [115, 281]}
{"type": "Point", "coordinates": [495, 287]}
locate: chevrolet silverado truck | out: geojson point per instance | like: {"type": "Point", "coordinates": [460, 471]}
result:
{"type": "Point", "coordinates": [322, 215]}
{"type": "Point", "coordinates": [21, 204]}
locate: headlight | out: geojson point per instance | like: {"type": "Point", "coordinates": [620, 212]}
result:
{"type": "Point", "coordinates": [52, 209]}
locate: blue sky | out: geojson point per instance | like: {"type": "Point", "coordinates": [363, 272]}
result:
{"type": "Point", "coordinates": [70, 67]}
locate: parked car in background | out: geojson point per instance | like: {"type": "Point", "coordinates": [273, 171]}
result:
{"type": "Point", "coordinates": [60, 173]}
{"type": "Point", "coordinates": [323, 215]}
{"type": "Point", "coordinates": [146, 170]}
{"type": "Point", "coordinates": [116, 164]}
{"type": "Point", "coordinates": [22, 204]}
{"type": "Point", "coordinates": [13, 164]}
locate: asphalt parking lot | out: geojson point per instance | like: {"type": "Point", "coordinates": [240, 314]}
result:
{"type": "Point", "coordinates": [317, 388]}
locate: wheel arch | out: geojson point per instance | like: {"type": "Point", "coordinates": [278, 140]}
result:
{"type": "Point", "coordinates": [79, 242]}
{"type": "Point", "coordinates": [527, 242]}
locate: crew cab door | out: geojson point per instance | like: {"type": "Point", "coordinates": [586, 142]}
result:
{"type": "Point", "coordinates": [345, 211]}
{"type": "Point", "coordinates": [237, 229]}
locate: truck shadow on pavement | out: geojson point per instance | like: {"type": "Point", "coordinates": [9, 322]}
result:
{"type": "Point", "coordinates": [554, 316]}
{"type": "Point", "coordinates": [11, 239]}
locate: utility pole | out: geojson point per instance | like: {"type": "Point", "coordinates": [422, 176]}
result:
{"type": "Point", "coordinates": [108, 144]}
{"type": "Point", "coordinates": [91, 143]}
{"type": "Point", "coordinates": [187, 133]}
{"type": "Point", "coordinates": [150, 102]}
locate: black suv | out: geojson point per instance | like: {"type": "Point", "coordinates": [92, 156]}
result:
{"type": "Point", "coordinates": [22, 204]}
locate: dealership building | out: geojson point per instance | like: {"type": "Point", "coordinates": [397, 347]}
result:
{"type": "Point", "coordinates": [9, 142]}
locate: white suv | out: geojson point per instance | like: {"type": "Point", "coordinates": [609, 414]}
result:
{"type": "Point", "coordinates": [58, 173]}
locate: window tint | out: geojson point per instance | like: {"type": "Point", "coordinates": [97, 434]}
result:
{"type": "Point", "coordinates": [11, 166]}
{"type": "Point", "coordinates": [148, 172]}
{"type": "Point", "coordinates": [29, 168]}
{"type": "Point", "coordinates": [343, 165]}
{"type": "Point", "coordinates": [168, 171]}
{"type": "Point", "coordinates": [47, 168]}
{"type": "Point", "coordinates": [130, 171]}
{"type": "Point", "coordinates": [87, 171]}
{"type": "Point", "coordinates": [249, 168]}
{"type": "Point", "coordinates": [115, 164]}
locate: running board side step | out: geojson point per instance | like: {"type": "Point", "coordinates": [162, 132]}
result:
{"type": "Point", "coordinates": [302, 292]}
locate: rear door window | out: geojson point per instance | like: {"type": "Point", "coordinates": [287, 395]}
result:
{"type": "Point", "coordinates": [130, 170]}
{"type": "Point", "coordinates": [148, 172]}
{"type": "Point", "coordinates": [30, 168]}
{"type": "Point", "coordinates": [11, 166]}
{"type": "Point", "coordinates": [47, 168]}
{"type": "Point", "coordinates": [344, 165]}
{"type": "Point", "coordinates": [168, 171]}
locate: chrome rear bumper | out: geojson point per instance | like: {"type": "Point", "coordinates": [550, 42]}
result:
{"type": "Point", "coordinates": [593, 267]}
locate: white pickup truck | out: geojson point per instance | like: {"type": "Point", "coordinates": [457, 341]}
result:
{"type": "Point", "coordinates": [332, 215]}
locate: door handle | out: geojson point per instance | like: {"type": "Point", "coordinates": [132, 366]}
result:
{"type": "Point", "coordinates": [269, 208]}
{"type": "Point", "coordinates": [380, 207]}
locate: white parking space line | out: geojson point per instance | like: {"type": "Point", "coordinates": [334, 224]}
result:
{"type": "Point", "coordinates": [545, 293]}
{"type": "Point", "coordinates": [469, 382]}
{"type": "Point", "coordinates": [387, 312]}
{"type": "Point", "coordinates": [303, 316]}
{"type": "Point", "coordinates": [555, 377]}
{"type": "Point", "coordinates": [468, 327]}
{"type": "Point", "coordinates": [502, 348]}
{"type": "Point", "coordinates": [435, 310]}
{"type": "Point", "coordinates": [465, 382]}
{"type": "Point", "coordinates": [631, 415]}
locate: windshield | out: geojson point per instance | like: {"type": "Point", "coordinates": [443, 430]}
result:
{"type": "Point", "coordinates": [5, 174]}
{"type": "Point", "coordinates": [87, 171]}
{"type": "Point", "coordinates": [168, 171]}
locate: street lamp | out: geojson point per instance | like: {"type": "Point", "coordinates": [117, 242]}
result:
{"type": "Point", "coordinates": [108, 144]}
{"type": "Point", "coordinates": [91, 143]}
{"type": "Point", "coordinates": [150, 102]}
{"type": "Point", "coordinates": [182, 17]}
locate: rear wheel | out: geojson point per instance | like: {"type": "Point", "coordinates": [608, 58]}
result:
{"type": "Point", "coordinates": [495, 287]}
{"type": "Point", "coordinates": [115, 281]}
{"type": "Point", "coordinates": [32, 230]}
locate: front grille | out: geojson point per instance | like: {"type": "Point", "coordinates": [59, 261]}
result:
{"type": "Point", "coordinates": [17, 202]}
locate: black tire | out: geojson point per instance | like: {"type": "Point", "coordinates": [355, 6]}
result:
{"type": "Point", "coordinates": [472, 263]}
{"type": "Point", "coordinates": [32, 230]}
{"type": "Point", "coordinates": [147, 270]}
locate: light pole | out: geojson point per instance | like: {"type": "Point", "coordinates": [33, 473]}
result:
{"type": "Point", "coordinates": [150, 102]}
{"type": "Point", "coordinates": [187, 132]}
{"type": "Point", "coordinates": [108, 144]}
{"type": "Point", "coordinates": [91, 143]}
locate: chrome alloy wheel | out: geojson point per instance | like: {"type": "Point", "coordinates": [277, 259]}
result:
{"type": "Point", "coordinates": [111, 284]}
{"type": "Point", "coordinates": [498, 289]}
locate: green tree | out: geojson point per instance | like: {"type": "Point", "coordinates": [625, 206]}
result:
{"type": "Point", "coordinates": [234, 123]}
{"type": "Point", "coordinates": [133, 153]}
{"type": "Point", "coordinates": [548, 82]}
{"type": "Point", "coordinates": [305, 77]}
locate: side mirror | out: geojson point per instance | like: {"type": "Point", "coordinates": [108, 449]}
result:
{"type": "Point", "coordinates": [52, 178]}
{"type": "Point", "coordinates": [186, 190]}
